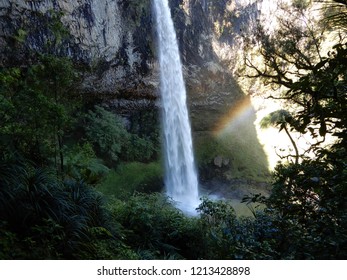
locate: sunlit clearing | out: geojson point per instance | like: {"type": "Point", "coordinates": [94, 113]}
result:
{"type": "Point", "coordinates": [276, 144]}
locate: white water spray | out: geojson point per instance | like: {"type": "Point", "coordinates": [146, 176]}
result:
{"type": "Point", "coordinates": [181, 177]}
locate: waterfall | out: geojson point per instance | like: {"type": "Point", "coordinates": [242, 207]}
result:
{"type": "Point", "coordinates": [180, 173]}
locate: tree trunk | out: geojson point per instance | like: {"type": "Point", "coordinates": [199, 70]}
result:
{"type": "Point", "coordinates": [294, 145]}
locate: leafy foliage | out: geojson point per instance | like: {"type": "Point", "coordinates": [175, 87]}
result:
{"type": "Point", "coordinates": [156, 229]}
{"type": "Point", "coordinates": [336, 14]}
{"type": "Point", "coordinates": [230, 238]}
{"type": "Point", "coordinates": [49, 209]}
{"type": "Point", "coordinates": [36, 108]}
{"type": "Point", "coordinates": [309, 195]}
{"type": "Point", "coordinates": [111, 139]}
{"type": "Point", "coordinates": [44, 218]}
{"type": "Point", "coordinates": [106, 131]}
{"type": "Point", "coordinates": [81, 164]}
{"type": "Point", "coordinates": [281, 119]}
{"type": "Point", "coordinates": [312, 196]}
{"type": "Point", "coordinates": [133, 177]}
{"type": "Point", "coordinates": [313, 83]}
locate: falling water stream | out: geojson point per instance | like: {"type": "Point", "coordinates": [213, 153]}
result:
{"type": "Point", "coordinates": [180, 173]}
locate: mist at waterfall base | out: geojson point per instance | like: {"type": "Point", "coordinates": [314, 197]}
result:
{"type": "Point", "coordinates": [180, 172]}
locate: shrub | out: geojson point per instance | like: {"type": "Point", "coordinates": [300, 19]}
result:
{"type": "Point", "coordinates": [107, 132]}
{"type": "Point", "coordinates": [133, 177]}
{"type": "Point", "coordinates": [81, 164]}
{"type": "Point", "coordinates": [43, 218]}
{"type": "Point", "coordinates": [228, 237]}
{"type": "Point", "coordinates": [156, 229]}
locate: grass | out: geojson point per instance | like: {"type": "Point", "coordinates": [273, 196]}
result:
{"type": "Point", "coordinates": [132, 177]}
{"type": "Point", "coordinates": [247, 159]}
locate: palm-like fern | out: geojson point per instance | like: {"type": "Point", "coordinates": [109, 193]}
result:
{"type": "Point", "coordinates": [281, 119]}
{"type": "Point", "coordinates": [47, 217]}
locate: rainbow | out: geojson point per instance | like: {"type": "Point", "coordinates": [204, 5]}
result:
{"type": "Point", "coordinates": [241, 111]}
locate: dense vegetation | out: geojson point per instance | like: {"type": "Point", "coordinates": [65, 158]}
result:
{"type": "Point", "coordinates": [60, 156]}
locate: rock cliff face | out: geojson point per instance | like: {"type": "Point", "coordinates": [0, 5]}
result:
{"type": "Point", "coordinates": [114, 43]}
{"type": "Point", "coordinates": [107, 36]}
{"type": "Point", "coordinates": [115, 39]}
{"type": "Point", "coordinates": [95, 27]}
